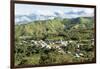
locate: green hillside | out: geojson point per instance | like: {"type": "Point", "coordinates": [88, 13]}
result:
{"type": "Point", "coordinates": [49, 28]}
{"type": "Point", "coordinates": [31, 37]}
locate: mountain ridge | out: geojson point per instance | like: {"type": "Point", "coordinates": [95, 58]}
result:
{"type": "Point", "coordinates": [43, 16]}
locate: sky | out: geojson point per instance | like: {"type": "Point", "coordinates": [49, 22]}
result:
{"type": "Point", "coordinates": [26, 9]}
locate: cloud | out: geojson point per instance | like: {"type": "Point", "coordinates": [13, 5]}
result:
{"type": "Point", "coordinates": [64, 11]}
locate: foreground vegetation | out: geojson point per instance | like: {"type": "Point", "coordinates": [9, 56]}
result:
{"type": "Point", "coordinates": [54, 41]}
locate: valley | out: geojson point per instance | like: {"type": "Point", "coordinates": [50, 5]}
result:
{"type": "Point", "coordinates": [55, 41]}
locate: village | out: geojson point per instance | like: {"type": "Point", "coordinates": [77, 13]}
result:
{"type": "Point", "coordinates": [59, 45]}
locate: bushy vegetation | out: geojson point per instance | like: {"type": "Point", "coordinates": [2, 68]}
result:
{"type": "Point", "coordinates": [54, 41]}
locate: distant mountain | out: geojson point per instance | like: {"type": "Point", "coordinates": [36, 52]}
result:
{"type": "Point", "coordinates": [21, 19]}
{"type": "Point", "coordinates": [24, 18]}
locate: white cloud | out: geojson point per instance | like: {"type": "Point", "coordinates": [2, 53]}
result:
{"type": "Point", "coordinates": [26, 9]}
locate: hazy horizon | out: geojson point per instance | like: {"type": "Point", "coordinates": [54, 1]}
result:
{"type": "Point", "coordinates": [26, 9]}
